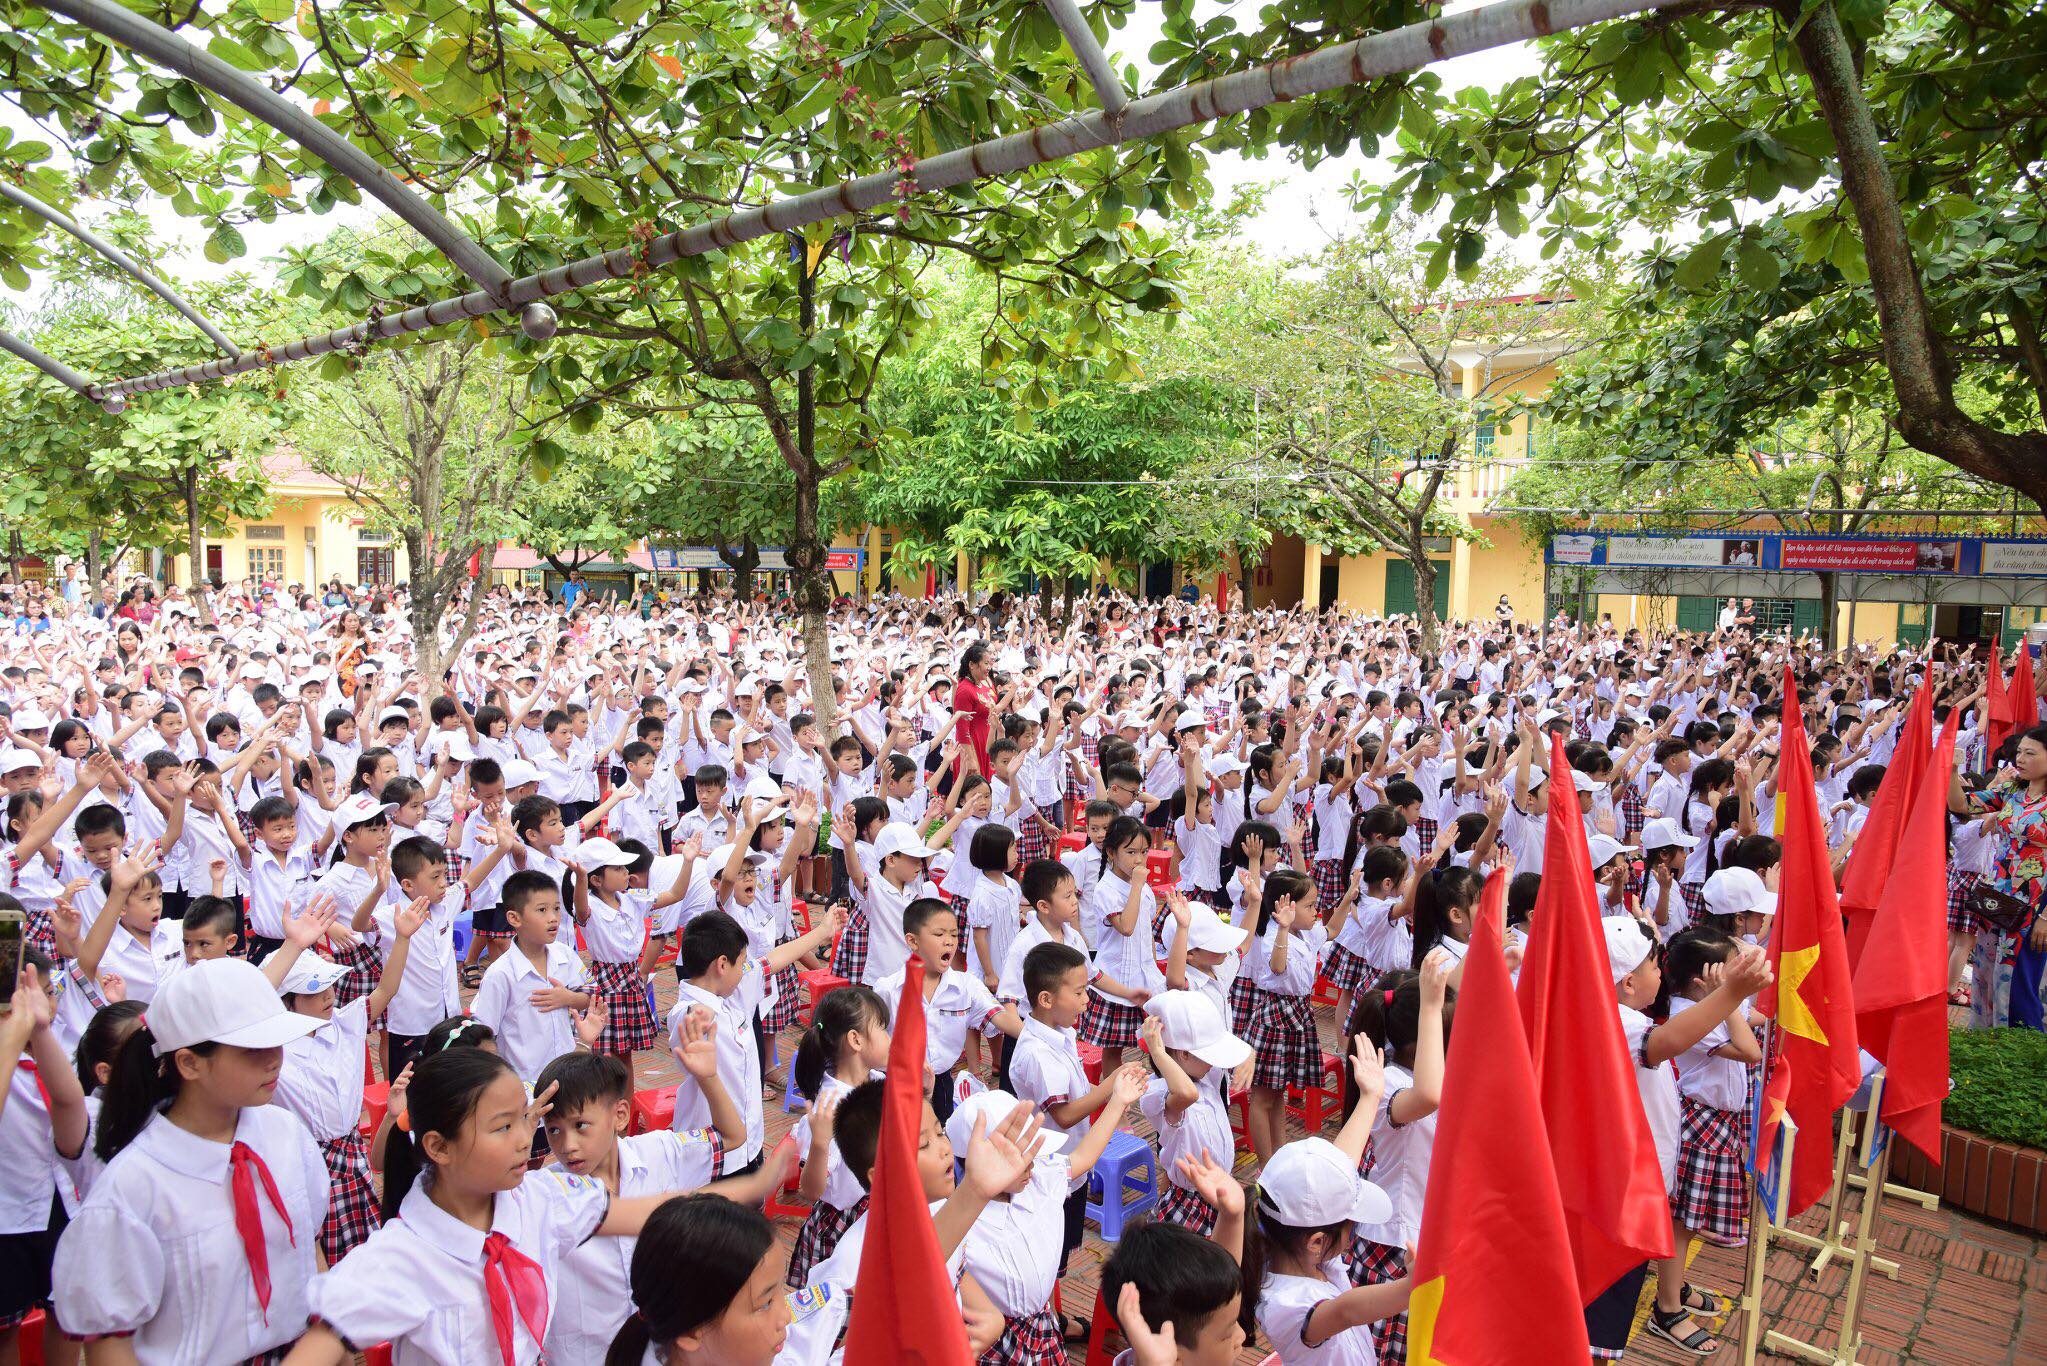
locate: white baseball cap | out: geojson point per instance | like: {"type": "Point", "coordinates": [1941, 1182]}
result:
{"type": "Point", "coordinates": [1311, 1183]}
{"type": "Point", "coordinates": [15, 760]}
{"type": "Point", "coordinates": [1733, 891]}
{"type": "Point", "coordinates": [1190, 1022]}
{"type": "Point", "coordinates": [1190, 720]}
{"type": "Point", "coordinates": [310, 975]}
{"type": "Point", "coordinates": [393, 714]}
{"type": "Point", "coordinates": [1604, 849]}
{"type": "Point", "coordinates": [990, 1107]}
{"type": "Point", "coordinates": [1584, 781]}
{"type": "Point", "coordinates": [602, 853]}
{"type": "Point", "coordinates": [1210, 933]}
{"type": "Point", "coordinates": [519, 773]}
{"type": "Point", "coordinates": [459, 749]}
{"type": "Point", "coordinates": [1663, 832]}
{"type": "Point", "coordinates": [898, 838]}
{"type": "Point", "coordinates": [1627, 944]}
{"type": "Point", "coordinates": [222, 1000]}
{"type": "Point", "coordinates": [1225, 764]}
{"type": "Point", "coordinates": [359, 808]}
{"type": "Point", "coordinates": [31, 718]}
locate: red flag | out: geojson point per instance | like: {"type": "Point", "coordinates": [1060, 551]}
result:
{"type": "Point", "coordinates": [1492, 1274]}
{"type": "Point", "coordinates": [903, 1281]}
{"type": "Point", "coordinates": [2000, 702]}
{"type": "Point", "coordinates": [1776, 1100]}
{"type": "Point", "coordinates": [1810, 999]}
{"type": "Point", "coordinates": [2024, 695]}
{"type": "Point", "coordinates": [1876, 844]}
{"type": "Point", "coordinates": [1901, 982]}
{"type": "Point", "coordinates": [1615, 1207]}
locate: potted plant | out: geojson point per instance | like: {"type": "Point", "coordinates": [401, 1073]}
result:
{"type": "Point", "coordinates": [1993, 1129]}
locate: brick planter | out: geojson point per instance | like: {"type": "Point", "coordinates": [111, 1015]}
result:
{"type": "Point", "coordinates": [1999, 1181]}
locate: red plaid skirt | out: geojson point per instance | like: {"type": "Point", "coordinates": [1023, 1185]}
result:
{"type": "Point", "coordinates": [1694, 894]}
{"type": "Point", "coordinates": [1329, 884]}
{"type": "Point", "coordinates": [1711, 1188]}
{"type": "Point", "coordinates": [1281, 1031]}
{"type": "Point", "coordinates": [1634, 812]}
{"type": "Point", "coordinates": [788, 1001]}
{"type": "Point", "coordinates": [1031, 839]}
{"type": "Point", "coordinates": [1183, 1207]}
{"type": "Point", "coordinates": [1960, 918]}
{"type": "Point", "coordinates": [1110, 1024]}
{"type": "Point", "coordinates": [849, 956]}
{"type": "Point", "coordinates": [1425, 828]}
{"type": "Point", "coordinates": [1346, 971]}
{"type": "Point", "coordinates": [1372, 1263]}
{"type": "Point", "coordinates": [818, 1237]}
{"type": "Point", "coordinates": [352, 1209]}
{"type": "Point", "coordinates": [364, 969]}
{"type": "Point", "coordinates": [40, 931]}
{"type": "Point", "coordinates": [1028, 1340]}
{"type": "Point", "coordinates": [1240, 1003]}
{"type": "Point", "coordinates": [630, 1024]}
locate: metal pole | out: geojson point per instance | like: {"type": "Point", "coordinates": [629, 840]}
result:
{"type": "Point", "coordinates": [1343, 64]}
{"type": "Point", "coordinates": [1095, 62]}
{"type": "Point", "coordinates": [1742, 512]}
{"type": "Point", "coordinates": [123, 26]}
{"type": "Point", "coordinates": [127, 264]}
{"type": "Point", "coordinates": [54, 368]}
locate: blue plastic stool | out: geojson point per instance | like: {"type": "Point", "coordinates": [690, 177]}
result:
{"type": "Point", "coordinates": [792, 1099]}
{"type": "Point", "coordinates": [1131, 1169]}
{"type": "Point", "coordinates": [461, 931]}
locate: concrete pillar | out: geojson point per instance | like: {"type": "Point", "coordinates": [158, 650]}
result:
{"type": "Point", "coordinates": [1311, 574]}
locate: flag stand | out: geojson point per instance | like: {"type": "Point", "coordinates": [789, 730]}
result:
{"type": "Point", "coordinates": [1763, 1222]}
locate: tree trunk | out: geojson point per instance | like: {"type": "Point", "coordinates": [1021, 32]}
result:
{"type": "Point", "coordinates": [1830, 609]}
{"type": "Point", "coordinates": [94, 564]}
{"type": "Point", "coordinates": [1045, 600]}
{"type": "Point", "coordinates": [1425, 598]}
{"type": "Point", "coordinates": [806, 546]}
{"type": "Point", "coordinates": [742, 562]}
{"type": "Point", "coordinates": [195, 546]}
{"type": "Point", "coordinates": [1245, 571]}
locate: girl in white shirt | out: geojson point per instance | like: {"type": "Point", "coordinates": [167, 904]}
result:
{"type": "Point", "coordinates": [846, 1044]}
{"type": "Point", "coordinates": [463, 1271]}
{"type": "Point", "coordinates": [994, 910]}
{"type": "Point", "coordinates": [1125, 913]}
{"type": "Point", "coordinates": [616, 936]}
{"type": "Point", "coordinates": [1282, 962]}
{"type": "Point", "coordinates": [1708, 1199]}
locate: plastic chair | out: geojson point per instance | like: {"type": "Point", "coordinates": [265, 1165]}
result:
{"type": "Point", "coordinates": [1240, 1118]}
{"type": "Point", "coordinates": [29, 1342]}
{"type": "Point", "coordinates": [462, 933]}
{"type": "Point", "coordinates": [1072, 842]}
{"type": "Point", "coordinates": [1324, 994]}
{"type": "Point", "coordinates": [376, 1099]}
{"type": "Point", "coordinates": [652, 1110]}
{"type": "Point", "coordinates": [1130, 1169]}
{"type": "Point", "coordinates": [818, 983]}
{"type": "Point", "coordinates": [379, 1355]}
{"type": "Point", "coordinates": [1158, 868]}
{"type": "Point", "coordinates": [1098, 1330]}
{"type": "Point", "coordinates": [1318, 1102]}
{"type": "Point", "coordinates": [775, 1206]}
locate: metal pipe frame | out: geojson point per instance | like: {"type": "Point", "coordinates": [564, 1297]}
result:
{"type": "Point", "coordinates": [1329, 68]}
{"type": "Point", "coordinates": [127, 264]}
{"type": "Point", "coordinates": [123, 26]}
{"type": "Point", "coordinates": [1748, 512]}
{"type": "Point", "coordinates": [49, 365]}
{"type": "Point", "coordinates": [1095, 62]}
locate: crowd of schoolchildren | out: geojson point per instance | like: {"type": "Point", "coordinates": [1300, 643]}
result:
{"type": "Point", "coordinates": [1166, 873]}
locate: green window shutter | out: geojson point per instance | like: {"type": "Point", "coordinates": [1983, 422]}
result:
{"type": "Point", "coordinates": [1698, 614]}
{"type": "Point", "coordinates": [1807, 615]}
{"type": "Point", "coordinates": [1442, 594]}
{"type": "Point", "coordinates": [1399, 588]}
{"type": "Point", "coordinates": [1912, 621]}
{"type": "Point", "coordinates": [1482, 439]}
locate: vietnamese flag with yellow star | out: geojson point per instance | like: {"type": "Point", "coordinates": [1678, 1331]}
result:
{"type": "Point", "coordinates": [1810, 998]}
{"type": "Point", "coordinates": [1492, 1279]}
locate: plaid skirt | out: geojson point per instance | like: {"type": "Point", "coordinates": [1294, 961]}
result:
{"type": "Point", "coordinates": [1329, 884]}
{"type": "Point", "coordinates": [818, 1237]}
{"type": "Point", "coordinates": [849, 955]}
{"type": "Point", "coordinates": [1710, 1191]}
{"type": "Point", "coordinates": [630, 1024]}
{"type": "Point", "coordinates": [1028, 1340]}
{"type": "Point", "coordinates": [1183, 1207]}
{"type": "Point", "coordinates": [1346, 971]}
{"type": "Point", "coordinates": [1372, 1263]}
{"type": "Point", "coordinates": [788, 1001]}
{"type": "Point", "coordinates": [1960, 918]}
{"type": "Point", "coordinates": [352, 1209]}
{"type": "Point", "coordinates": [364, 968]}
{"type": "Point", "coordinates": [39, 931]}
{"type": "Point", "coordinates": [1240, 1003]}
{"type": "Point", "coordinates": [1110, 1024]}
{"type": "Point", "coordinates": [1694, 894]}
{"type": "Point", "coordinates": [1031, 839]}
{"type": "Point", "coordinates": [1425, 828]}
{"type": "Point", "coordinates": [1281, 1031]}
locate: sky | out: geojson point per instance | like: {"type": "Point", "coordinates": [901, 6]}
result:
{"type": "Point", "coordinates": [1303, 209]}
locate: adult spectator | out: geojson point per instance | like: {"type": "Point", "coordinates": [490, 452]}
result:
{"type": "Point", "coordinates": [2014, 810]}
{"type": "Point", "coordinates": [971, 698]}
{"type": "Point", "coordinates": [572, 591]}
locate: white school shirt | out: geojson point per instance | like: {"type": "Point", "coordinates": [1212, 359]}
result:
{"type": "Point", "coordinates": [1201, 853]}
{"type": "Point", "coordinates": [273, 886]}
{"type": "Point", "coordinates": [417, 1282]}
{"type": "Point", "coordinates": [1363, 931]}
{"type": "Point", "coordinates": [594, 1295]}
{"type": "Point", "coordinates": [887, 950]}
{"type": "Point", "coordinates": [739, 1066]}
{"type": "Point", "coordinates": [430, 991]}
{"type": "Point", "coordinates": [1045, 1070]}
{"type": "Point", "coordinates": [209, 841]}
{"type": "Point", "coordinates": [1305, 951]}
{"type": "Point", "coordinates": [996, 907]}
{"type": "Point", "coordinates": [144, 965]}
{"type": "Point", "coordinates": [1400, 1165]}
{"type": "Point", "coordinates": [1719, 1082]}
{"type": "Point", "coordinates": [1125, 957]}
{"type": "Point", "coordinates": [1013, 1247]}
{"type": "Point", "coordinates": [614, 934]}
{"type": "Point", "coordinates": [28, 1156]}
{"type": "Point", "coordinates": [842, 1190]}
{"type": "Point", "coordinates": [1659, 1091]}
{"type": "Point", "coordinates": [321, 1080]}
{"type": "Point", "coordinates": [528, 1037]}
{"type": "Point", "coordinates": [1009, 985]}
{"type": "Point", "coordinates": [1284, 1307]}
{"type": "Point", "coordinates": [154, 1251]}
{"type": "Point", "coordinates": [1205, 1123]}
{"type": "Point", "coordinates": [962, 1002]}
{"type": "Point", "coordinates": [1333, 814]}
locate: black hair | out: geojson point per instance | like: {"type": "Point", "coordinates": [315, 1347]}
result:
{"type": "Point", "coordinates": [1451, 889]}
{"type": "Point", "coordinates": [270, 809]}
{"type": "Point", "coordinates": [582, 1079]}
{"type": "Point", "coordinates": [102, 1040]}
{"type": "Point", "coordinates": [1521, 894]}
{"type": "Point", "coordinates": [213, 913]}
{"type": "Point", "coordinates": [839, 1013]}
{"type": "Point", "coordinates": [528, 812]}
{"type": "Point", "coordinates": [1181, 1277]}
{"type": "Point", "coordinates": [522, 886]}
{"type": "Point", "coordinates": [990, 848]}
{"type": "Point", "coordinates": [1234, 856]}
{"type": "Point", "coordinates": [366, 767]}
{"type": "Point", "coordinates": [1262, 1226]}
{"type": "Point", "coordinates": [1046, 965]}
{"type": "Point", "coordinates": [1284, 882]}
{"type": "Point", "coordinates": [1383, 861]}
{"type": "Point", "coordinates": [1099, 809]}
{"type": "Point", "coordinates": [1122, 831]}
{"type": "Point", "coordinates": [1040, 878]}
{"type": "Point", "coordinates": [856, 1128]}
{"type": "Point", "coordinates": [443, 1095]}
{"type": "Point", "coordinates": [712, 775]}
{"type": "Point", "coordinates": [401, 790]}
{"type": "Point", "coordinates": [100, 819]}
{"type": "Point", "coordinates": [457, 1031]}
{"type": "Point", "coordinates": [693, 1259]}
{"type": "Point", "coordinates": [413, 855]}
{"type": "Point", "coordinates": [1690, 952]}
{"type": "Point", "coordinates": [485, 771]}
{"type": "Point", "coordinates": [138, 1085]}
{"type": "Point", "coordinates": [920, 912]}
{"type": "Point", "coordinates": [865, 811]}
{"type": "Point", "coordinates": [706, 939]}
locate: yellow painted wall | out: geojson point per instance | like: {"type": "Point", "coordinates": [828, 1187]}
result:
{"type": "Point", "coordinates": [1361, 582]}
{"type": "Point", "coordinates": [1508, 563]}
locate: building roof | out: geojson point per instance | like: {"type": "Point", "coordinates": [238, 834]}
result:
{"type": "Point", "coordinates": [286, 469]}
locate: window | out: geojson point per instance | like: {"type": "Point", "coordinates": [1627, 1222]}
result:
{"type": "Point", "coordinates": [375, 564]}
{"type": "Point", "coordinates": [365, 536]}
{"type": "Point", "coordinates": [1534, 440]}
{"type": "Point", "coordinates": [263, 533]}
{"type": "Point", "coordinates": [1483, 439]}
{"type": "Point", "coordinates": [266, 561]}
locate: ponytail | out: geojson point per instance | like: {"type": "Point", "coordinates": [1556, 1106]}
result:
{"type": "Point", "coordinates": [692, 1260]}
{"type": "Point", "coordinates": [839, 1013]}
{"type": "Point", "coordinates": [443, 1095]}
{"type": "Point", "coordinates": [139, 1084]}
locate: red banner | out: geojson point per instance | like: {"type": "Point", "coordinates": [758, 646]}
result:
{"type": "Point", "coordinates": [1896, 557]}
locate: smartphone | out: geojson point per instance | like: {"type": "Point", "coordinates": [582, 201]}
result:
{"type": "Point", "coordinates": [11, 925]}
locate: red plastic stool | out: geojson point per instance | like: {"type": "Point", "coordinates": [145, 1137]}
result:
{"type": "Point", "coordinates": [1158, 868]}
{"type": "Point", "coordinates": [1072, 842]}
{"type": "Point", "coordinates": [1090, 1062]}
{"type": "Point", "coordinates": [818, 983]}
{"type": "Point", "coordinates": [1318, 1102]}
{"type": "Point", "coordinates": [376, 1099]}
{"type": "Point", "coordinates": [29, 1341]}
{"type": "Point", "coordinates": [652, 1110]}
{"type": "Point", "coordinates": [776, 1206]}
{"type": "Point", "coordinates": [1240, 1118]}
{"type": "Point", "coordinates": [1325, 995]}
{"type": "Point", "coordinates": [1098, 1330]}
{"type": "Point", "coordinates": [379, 1355]}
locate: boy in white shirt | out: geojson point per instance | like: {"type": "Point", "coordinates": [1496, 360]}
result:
{"type": "Point", "coordinates": [532, 994]}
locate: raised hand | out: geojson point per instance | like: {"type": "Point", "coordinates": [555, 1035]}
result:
{"type": "Point", "coordinates": [408, 921]}
{"type": "Point", "coordinates": [310, 923]}
{"type": "Point", "coordinates": [113, 986]}
{"type": "Point", "coordinates": [136, 866]}
{"type": "Point", "coordinates": [1129, 1084]}
{"type": "Point", "coordinates": [1214, 1183]}
{"type": "Point", "coordinates": [591, 1023]}
{"type": "Point", "coordinates": [698, 1053]}
{"type": "Point", "coordinates": [1435, 977]}
{"type": "Point", "coordinates": [1367, 1065]}
{"type": "Point", "coordinates": [998, 1160]}
{"type": "Point", "coordinates": [1147, 1348]}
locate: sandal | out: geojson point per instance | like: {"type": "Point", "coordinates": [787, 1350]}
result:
{"type": "Point", "coordinates": [1697, 1301]}
{"type": "Point", "coordinates": [1698, 1341]}
{"type": "Point", "coordinates": [1073, 1328]}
